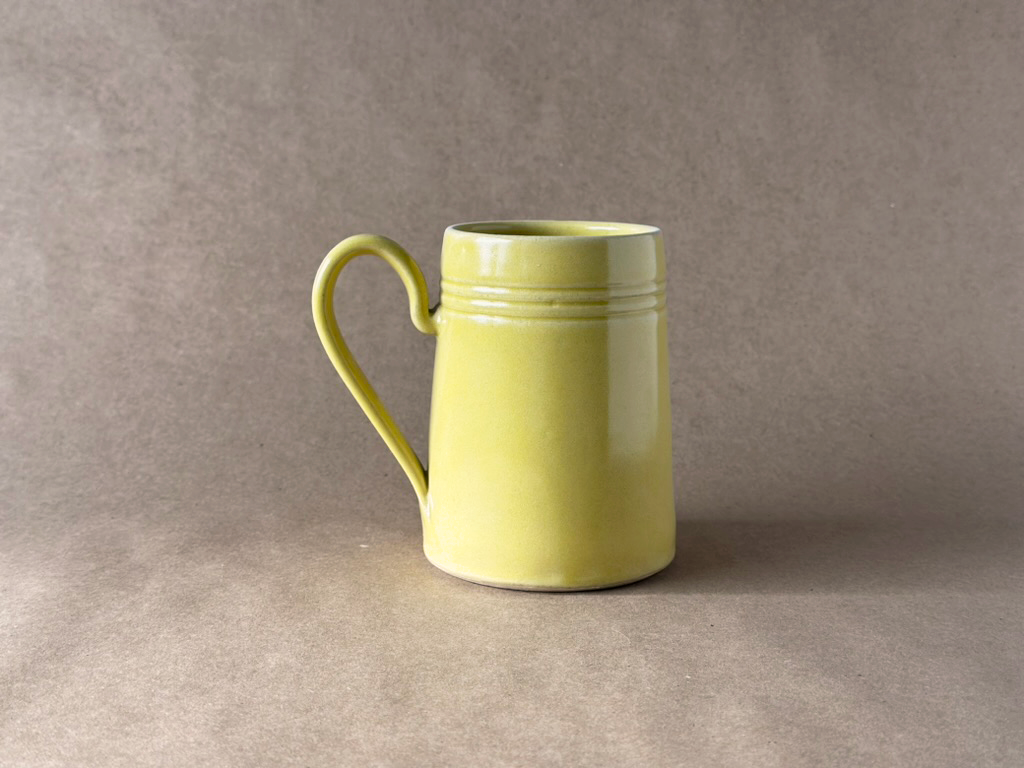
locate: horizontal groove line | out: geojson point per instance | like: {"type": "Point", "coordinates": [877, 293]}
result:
{"type": "Point", "coordinates": [559, 309]}
{"type": "Point", "coordinates": [555, 316]}
{"type": "Point", "coordinates": [552, 286]}
{"type": "Point", "coordinates": [535, 294]}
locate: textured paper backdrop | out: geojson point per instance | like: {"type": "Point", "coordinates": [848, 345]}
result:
{"type": "Point", "coordinates": [207, 556]}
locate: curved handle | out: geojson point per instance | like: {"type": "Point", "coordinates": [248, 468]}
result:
{"type": "Point", "coordinates": [338, 351]}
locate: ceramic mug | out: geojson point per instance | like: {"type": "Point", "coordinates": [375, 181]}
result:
{"type": "Point", "coordinates": [550, 426]}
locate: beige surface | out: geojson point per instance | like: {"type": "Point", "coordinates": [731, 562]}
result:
{"type": "Point", "coordinates": [208, 558]}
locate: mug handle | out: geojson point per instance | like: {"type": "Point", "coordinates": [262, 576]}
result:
{"type": "Point", "coordinates": [338, 351]}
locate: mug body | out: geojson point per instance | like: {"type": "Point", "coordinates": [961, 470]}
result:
{"type": "Point", "coordinates": [550, 432]}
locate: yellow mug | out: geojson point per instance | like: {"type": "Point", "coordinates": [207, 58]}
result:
{"type": "Point", "coordinates": [550, 425]}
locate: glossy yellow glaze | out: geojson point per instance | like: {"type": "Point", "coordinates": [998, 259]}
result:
{"type": "Point", "coordinates": [550, 432]}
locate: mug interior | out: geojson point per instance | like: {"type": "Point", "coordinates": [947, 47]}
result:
{"type": "Point", "coordinates": [550, 228]}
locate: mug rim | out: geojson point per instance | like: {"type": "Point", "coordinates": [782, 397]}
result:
{"type": "Point", "coordinates": [553, 229]}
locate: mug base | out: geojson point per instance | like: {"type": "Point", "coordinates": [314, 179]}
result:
{"type": "Point", "coordinates": [543, 588]}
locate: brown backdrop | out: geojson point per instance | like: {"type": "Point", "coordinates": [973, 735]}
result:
{"type": "Point", "coordinates": [208, 557]}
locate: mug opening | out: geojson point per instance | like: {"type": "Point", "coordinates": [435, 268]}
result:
{"type": "Point", "coordinates": [552, 228]}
